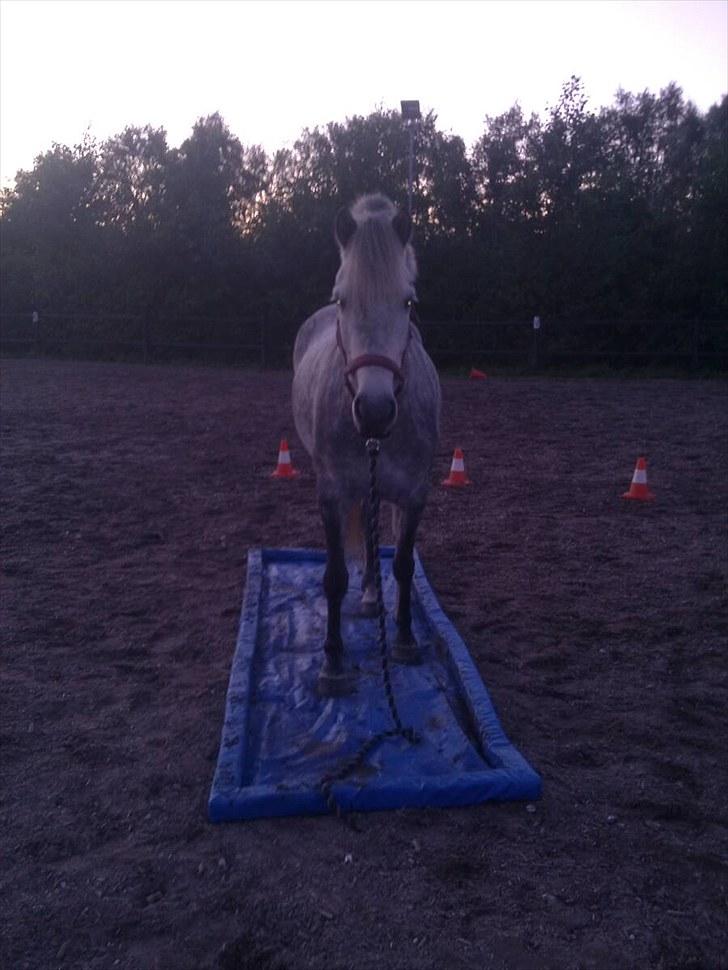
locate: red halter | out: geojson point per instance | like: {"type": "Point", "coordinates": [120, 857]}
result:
{"type": "Point", "coordinates": [372, 360]}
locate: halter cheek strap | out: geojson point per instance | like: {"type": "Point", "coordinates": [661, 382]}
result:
{"type": "Point", "coordinates": [372, 360]}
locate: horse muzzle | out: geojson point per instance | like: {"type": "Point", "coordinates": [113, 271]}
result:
{"type": "Point", "coordinates": [374, 414]}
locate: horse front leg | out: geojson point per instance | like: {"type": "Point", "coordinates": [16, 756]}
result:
{"type": "Point", "coordinates": [332, 679]}
{"type": "Point", "coordinates": [406, 649]}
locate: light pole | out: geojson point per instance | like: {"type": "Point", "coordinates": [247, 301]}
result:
{"type": "Point", "coordinates": [410, 115]}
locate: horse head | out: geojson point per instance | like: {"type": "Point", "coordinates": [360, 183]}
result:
{"type": "Point", "coordinates": [374, 293]}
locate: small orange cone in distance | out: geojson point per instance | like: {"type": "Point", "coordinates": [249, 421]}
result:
{"type": "Point", "coordinates": [638, 489]}
{"type": "Point", "coordinates": [285, 467]}
{"type": "Point", "coordinates": [457, 477]}
{"type": "Point", "coordinates": [477, 375]}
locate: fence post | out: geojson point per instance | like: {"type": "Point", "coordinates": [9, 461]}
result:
{"type": "Point", "coordinates": [145, 337]}
{"type": "Point", "coordinates": [535, 346]}
{"type": "Point", "coordinates": [263, 328]}
{"type": "Point", "coordinates": [695, 345]}
{"type": "Point", "coordinates": [35, 317]}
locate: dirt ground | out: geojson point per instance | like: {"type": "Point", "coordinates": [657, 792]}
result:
{"type": "Point", "coordinates": [131, 495]}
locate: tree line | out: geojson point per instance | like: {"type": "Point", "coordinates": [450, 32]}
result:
{"type": "Point", "coordinates": [615, 213]}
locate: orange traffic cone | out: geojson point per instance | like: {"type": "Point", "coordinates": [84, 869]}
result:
{"type": "Point", "coordinates": [285, 467]}
{"type": "Point", "coordinates": [457, 477]}
{"type": "Point", "coordinates": [476, 375]}
{"type": "Point", "coordinates": [638, 489]}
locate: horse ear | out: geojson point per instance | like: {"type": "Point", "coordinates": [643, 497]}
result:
{"type": "Point", "coordinates": [345, 227]}
{"type": "Point", "coordinates": [402, 225]}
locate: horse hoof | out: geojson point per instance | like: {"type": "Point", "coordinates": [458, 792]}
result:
{"type": "Point", "coordinates": [404, 652]}
{"type": "Point", "coordinates": [335, 684]}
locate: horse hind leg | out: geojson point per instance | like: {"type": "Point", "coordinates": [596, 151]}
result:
{"type": "Point", "coordinates": [405, 649]}
{"type": "Point", "coordinates": [368, 588]}
{"type": "Point", "coordinates": [333, 680]}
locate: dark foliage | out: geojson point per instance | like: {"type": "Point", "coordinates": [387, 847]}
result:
{"type": "Point", "coordinates": [615, 215]}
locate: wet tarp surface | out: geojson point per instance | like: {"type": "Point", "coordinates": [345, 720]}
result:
{"type": "Point", "coordinates": [280, 737]}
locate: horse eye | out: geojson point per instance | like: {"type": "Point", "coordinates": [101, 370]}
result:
{"type": "Point", "coordinates": [408, 304]}
{"type": "Point", "coordinates": [341, 303]}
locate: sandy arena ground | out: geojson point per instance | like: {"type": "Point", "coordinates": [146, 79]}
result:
{"type": "Point", "coordinates": [131, 495]}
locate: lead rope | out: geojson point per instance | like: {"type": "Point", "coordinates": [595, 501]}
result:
{"type": "Point", "coordinates": [399, 730]}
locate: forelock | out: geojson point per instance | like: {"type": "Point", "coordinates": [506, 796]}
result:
{"type": "Point", "coordinates": [375, 263]}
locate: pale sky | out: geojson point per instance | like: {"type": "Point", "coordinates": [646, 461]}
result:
{"type": "Point", "coordinates": [273, 68]}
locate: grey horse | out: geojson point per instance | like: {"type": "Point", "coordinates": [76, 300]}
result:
{"type": "Point", "coordinates": [361, 372]}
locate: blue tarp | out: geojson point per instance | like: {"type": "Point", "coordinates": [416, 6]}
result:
{"type": "Point", "coordinates": [280, 737]}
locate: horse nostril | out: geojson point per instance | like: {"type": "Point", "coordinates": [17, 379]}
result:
{"type": "Point", "coordinates": [392, 413]}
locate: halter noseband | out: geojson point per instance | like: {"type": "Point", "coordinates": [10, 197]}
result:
{"type": "Point", "coordinates": [372, 360]}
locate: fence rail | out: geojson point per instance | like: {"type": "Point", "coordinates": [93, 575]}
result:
{"type": "Point", "coordinates": [261, 340]}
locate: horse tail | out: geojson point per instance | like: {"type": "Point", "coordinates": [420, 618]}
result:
{"type": "Point", "coordinates": [354, 541]}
